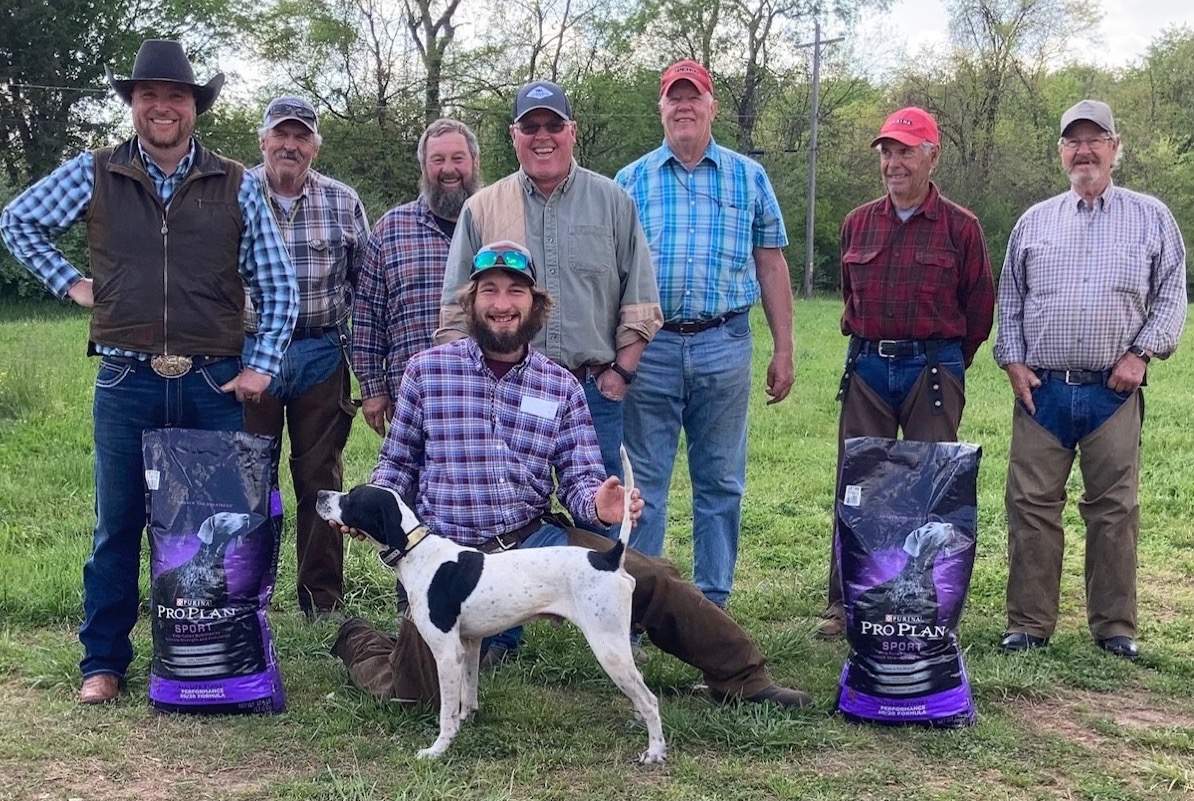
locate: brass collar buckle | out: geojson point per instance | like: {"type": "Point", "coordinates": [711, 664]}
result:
{"type": "Point", "coordinates": [169, 366]}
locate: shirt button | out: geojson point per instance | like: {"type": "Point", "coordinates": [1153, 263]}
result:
{"type": "Point", "coordinates": [936, 403]}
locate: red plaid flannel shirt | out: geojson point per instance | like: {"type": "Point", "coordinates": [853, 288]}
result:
{"type": "Point", "coordinates": [927, 278]}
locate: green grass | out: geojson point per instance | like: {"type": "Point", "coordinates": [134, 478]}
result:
{"type": "Point", "coordinates": [1071, 723]}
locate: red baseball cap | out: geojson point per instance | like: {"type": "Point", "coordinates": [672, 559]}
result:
{"type": "Point", "coordinates": [909, 126]}
{"type": "Point", "coordinates": [686, 70]}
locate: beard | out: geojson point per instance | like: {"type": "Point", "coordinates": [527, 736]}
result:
{"type": "Point", "coordinates": [507, 342]}
{"type": "Point", "coordinates": [447, 203]}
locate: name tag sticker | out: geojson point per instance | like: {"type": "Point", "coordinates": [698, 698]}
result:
{"type": "Point", "coordinates": [539, 407]}
{"type": "Point", "coordinates": [153, 480]}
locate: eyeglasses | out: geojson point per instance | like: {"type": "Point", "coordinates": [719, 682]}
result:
{"type": "Point", "coordinates": [532, 128]}
{"type": "Point", "coordinates": [1097, 143]}
{"type": "Point", "coordinates": [291, 110]}
{"type": "Point", "coordinates": [512, 259]}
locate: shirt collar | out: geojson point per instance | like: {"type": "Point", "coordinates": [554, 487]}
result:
{"type": "Point", "coordinates": [529, 187]}
{"type": "Point", "coordinates": [930, 207]}
{"type": "Point", "coordinates": [1076, 202]}
{"type": "Point", "coordinates": [152, 167]}
{"type": "Point", "coordinates": [477, 357]}
{"type": "Point", "coordinates": [665, 154]}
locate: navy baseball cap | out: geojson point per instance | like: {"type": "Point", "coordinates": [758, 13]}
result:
{"type": "Point", "coordinates": [542, 94]}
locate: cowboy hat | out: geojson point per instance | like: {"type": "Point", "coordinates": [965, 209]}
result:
{"type": "Point", "coordinates": [164, 60]}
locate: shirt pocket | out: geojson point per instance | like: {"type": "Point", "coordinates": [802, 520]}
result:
{"type": "Point", "coordinates": [733, 238]}
{"type": "Point", "coordinates": [937, 269]}
{"type": "Point", "coordinates": [592, 249]}
{"type": "Point", "coordinates": [321, 255]}
{"type": "Point", "coordinates": [1131, 270]}
{"type": "Point", "coordinates": [865, 273]}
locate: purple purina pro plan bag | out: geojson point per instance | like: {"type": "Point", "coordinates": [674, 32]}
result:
{"type": "Point", "coordinates": [215, 523]}
{"type": "Point", "coordinates": [907, 523]}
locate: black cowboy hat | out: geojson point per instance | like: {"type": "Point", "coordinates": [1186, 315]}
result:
{"type": "Point", "coordinates": [164, 60]}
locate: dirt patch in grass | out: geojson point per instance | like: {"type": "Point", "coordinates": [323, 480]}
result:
{"type": "Point", "coordinates": [1071, 716]}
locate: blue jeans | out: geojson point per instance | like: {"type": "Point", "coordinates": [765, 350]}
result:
{"type": "Point", "coordinates": [1070, 412]}
{"type": "Point", "coordinates": [607, 420]}
{"type": "Point", "coordinates": [129, 399]}
{"type": "Point", "coordinates": [700, 382]}
{"type": "Point", "coordinates": [547, 536]}
{"type": "Point", "coordinates": [894, 378]}
{"type": "Point", "coordinates": [305, 363]}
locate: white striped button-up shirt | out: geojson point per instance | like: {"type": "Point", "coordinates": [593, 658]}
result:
{"type": "Point", "coordinates": [1082, 283]}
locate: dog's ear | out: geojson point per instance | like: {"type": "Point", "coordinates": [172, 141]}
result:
{"type": "Point", "coordinates": [376, 512]}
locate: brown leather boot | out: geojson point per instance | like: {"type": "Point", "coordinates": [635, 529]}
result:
{"type": "Point", "coordinates": [101, 688]}
{"type": "Point", "coordinates": [832, 625]}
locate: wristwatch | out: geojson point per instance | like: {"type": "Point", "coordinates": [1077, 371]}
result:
{"type": "Point", "coordinates": [627, 376]}
{"type": "Point", "coordinates": [1141, 353]}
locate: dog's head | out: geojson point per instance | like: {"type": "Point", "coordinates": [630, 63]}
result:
{"type": "Point", "coordinates": [377, 512]}
{"type": "Point", "coordinates": [221, 527]}
{"type": "Point", "coordinates": [928, 539]}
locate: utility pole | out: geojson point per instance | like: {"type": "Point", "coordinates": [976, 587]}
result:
{"type": "Point", "coordinates": [810, 213]}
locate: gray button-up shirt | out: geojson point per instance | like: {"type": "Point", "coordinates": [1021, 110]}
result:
{"type": "Point", "coordinates": [591, 257]}
{"type": "Point", "coordinates": [1082, 283]}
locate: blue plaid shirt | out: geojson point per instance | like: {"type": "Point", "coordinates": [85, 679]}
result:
{"type": "Point", "coordinates": [44, 211]}
{"type": "Point", "coordinates": [702, 228]}
{"type": "Point", "coordinates": [488, 452]}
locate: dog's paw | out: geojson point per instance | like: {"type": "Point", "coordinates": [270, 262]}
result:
{"type": "Point", "coordinates": [651, 757]}
{"type": "Point", "coordinates": [431, 752]}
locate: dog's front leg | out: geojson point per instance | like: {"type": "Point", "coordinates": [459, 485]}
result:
{"type": "Point", "coordinates": [449, 662]}
{"type": "Point", "coordinates": [472, 662]}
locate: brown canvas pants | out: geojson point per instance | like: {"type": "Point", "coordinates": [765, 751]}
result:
{"type": "Point", "coordinates": [866, 414]}
{"type": "Point", "coordinates": [676, 616]}
{"type": "Point", "coordinates": [1038, 467]}
{"type": "Point", "coordinates": [319, 422]}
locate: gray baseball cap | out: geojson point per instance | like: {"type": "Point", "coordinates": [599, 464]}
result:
{"type": "Point", "coordinates": [287, 107]}
{"type": "Point", "coordinates": [542, 94]}
{"type": "Point", "coordinates": [1095, 111]}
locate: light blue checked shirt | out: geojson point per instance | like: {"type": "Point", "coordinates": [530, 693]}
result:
{"type": "Point", "coordinates": [1081, 283]}
{"type": "Point", "coordinates": [44, 211]}
{"type": "Point", "coordinates": [702, 227]}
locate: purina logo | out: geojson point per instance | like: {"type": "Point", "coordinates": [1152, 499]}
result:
{"type": "Point", "coordinates": [539, 92]}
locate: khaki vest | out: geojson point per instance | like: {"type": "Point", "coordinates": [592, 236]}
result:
{"type": "Point", "coordinates": [165, 276]}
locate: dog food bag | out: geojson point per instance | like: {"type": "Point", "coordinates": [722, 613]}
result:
{"type": "Point", "coordinates": [907, 521]}
{"type": "Point", "coordinates": [215, 522]}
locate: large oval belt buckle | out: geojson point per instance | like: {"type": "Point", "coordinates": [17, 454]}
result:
{"type": "Point", "coordinates": [168, 366]}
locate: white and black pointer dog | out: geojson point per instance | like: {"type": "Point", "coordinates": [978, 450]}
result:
{"type": "Point", "coordinates": [459, 595]}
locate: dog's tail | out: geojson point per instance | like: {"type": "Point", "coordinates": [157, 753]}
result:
{"type": "Point", "coordinates": [613, 558]}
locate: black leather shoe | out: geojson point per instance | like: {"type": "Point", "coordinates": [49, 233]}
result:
{"type": "Point", "coordinates": [1016, 641]}
{"type": "Point", "coordinates": [1121, 646]}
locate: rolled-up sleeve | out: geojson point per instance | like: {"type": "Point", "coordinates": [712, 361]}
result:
{"type": "Point", "coordinates": [639, 315]}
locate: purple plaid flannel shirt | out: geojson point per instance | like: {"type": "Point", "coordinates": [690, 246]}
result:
{"type": "Point", "coordinates": [484, 449]}
{"type": "Point", "coordinates": [396, 308]}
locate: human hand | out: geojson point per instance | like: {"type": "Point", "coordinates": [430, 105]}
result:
{"type": "Point", "coordinates": [249, 385]}
{"type": "Point", "coordinates": [377, 411]}
{"type": "Point", "coordinates": [611, 385]}
{"type": "Point", "coordinates": [82, 293]}
{"type": "Point", "coordinates": [1127, 374]}
{"type": "Point", "coordinates": [780, 376]}
{"type": "Point", "coordinates": [1023, 382]}
{"type": "Point", "coordinates": [610, 500]}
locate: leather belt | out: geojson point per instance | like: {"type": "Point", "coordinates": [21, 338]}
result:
{"type": "Point", "coordinates": [511, 539]}
{"type": "Point", "coordinates": [900, 348]}
{"type": "Point", "coordinates": [1074, 377]}
{"type": "Point", "coordinates": [583, 372]}
{"type": "Point", "coordinates": [314, 333]}
{"type": "Point", "coordinates": [169, 365]}
{"type": "Point", "coordinates": [696, 326]}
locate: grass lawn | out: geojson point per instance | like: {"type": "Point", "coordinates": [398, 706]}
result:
{"type": "Point", "coordinates": [1069, 723]}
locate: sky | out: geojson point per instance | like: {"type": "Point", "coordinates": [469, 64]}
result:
{"type": "Point", "coordinates": [1128, 27]}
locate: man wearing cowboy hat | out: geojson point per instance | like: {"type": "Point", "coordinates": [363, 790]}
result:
{"type": "Point", "coordinates": [174, 233]}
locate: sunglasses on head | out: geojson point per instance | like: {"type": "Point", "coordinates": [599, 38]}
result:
{"type": "Point", "coordinates": [292, 110]}
{"type": "Point", "coordinates": [514, 259]}
{"type": "Point", "coordinates": [532, 128]}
